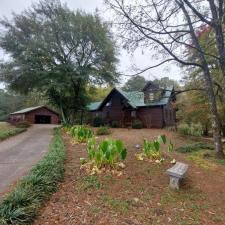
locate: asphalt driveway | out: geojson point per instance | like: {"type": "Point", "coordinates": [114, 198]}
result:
{"type": "Point", "coordinates": [19, 153]}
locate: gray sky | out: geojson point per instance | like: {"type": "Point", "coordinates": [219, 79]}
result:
{"type": "Point", "coordinates": [140, 59]}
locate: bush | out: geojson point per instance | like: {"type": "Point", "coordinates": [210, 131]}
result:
{"type": "Point", "coordinates": [23, 124]}
{"type": "Point", "coordinates": [192, 129]}
{"type": "Point", "coordinates": [137, 124]}
{"type": "Point", "coordinates": [103, 130]}
{"type": "Point", "coordinates": [114, 124]}
{"type": "Point", "coordinates": [194, 147]}
{"type": "Point", "coordinates": [98, 121]}
{"type": "Point", "coordinates": [107, 153]}
{"type": "Point", "coordinates": [21, 205]}
{"type": "Point", "coordinates": [81, 133]}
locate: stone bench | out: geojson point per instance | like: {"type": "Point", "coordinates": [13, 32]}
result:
{"type": "Point", "coordinates": [176, 173]}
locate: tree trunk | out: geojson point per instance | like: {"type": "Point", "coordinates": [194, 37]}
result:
{"type": "Point", "coordinates": [216, 124]}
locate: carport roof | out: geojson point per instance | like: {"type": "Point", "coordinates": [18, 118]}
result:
{"type": "Point", "coordinates": [26, 110]}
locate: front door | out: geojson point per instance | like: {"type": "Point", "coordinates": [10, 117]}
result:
{"type": "Point", "coordinates": [127, 118]}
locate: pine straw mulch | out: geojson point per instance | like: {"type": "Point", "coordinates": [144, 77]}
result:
{"type": "Point", "coordinates": [140, 195]}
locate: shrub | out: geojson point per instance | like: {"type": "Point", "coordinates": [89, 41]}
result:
{"type": "Point", "coordinates": [21, 205]}
{"type": "Point", "coordinates": [137, 124]}
{"type": "Point", "coordinates": [194, 147]}
{"type": "Point", "coordinates": [23, 124]}
{"type": "Point", "coordinates": [81, 133]}
{"type": "Point", "coordinates": [114, 124]}
{"type": "Point", "coordinates": [104, 130]}
{"type": "Point", "coordinates": [107, 153]}
{"type": "Point", "coordinates": [98, 121]}
{"type": "Point", "coordinates": [192, 129]}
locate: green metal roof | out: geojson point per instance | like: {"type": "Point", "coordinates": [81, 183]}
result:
{"type": "Point", "coordinates": [136, 99]}
{"type": "Point", "coordinates": [93, 106]}
{"type": "Point", "coordinates": [31, 109]}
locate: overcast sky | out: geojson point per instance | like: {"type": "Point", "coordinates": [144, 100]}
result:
{"type": "Point", "coordinates": [140, 59]}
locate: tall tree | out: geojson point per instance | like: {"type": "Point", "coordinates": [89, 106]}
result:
{"type": "Point", "coordinates": [170, 27]}
{"type": "Point", "coordinates": [57, 51]}
{"type": "Point", "coordinates": [135, 83]}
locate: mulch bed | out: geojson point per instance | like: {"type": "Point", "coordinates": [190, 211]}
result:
{"type": "Point", "coordinates": [139, 196]}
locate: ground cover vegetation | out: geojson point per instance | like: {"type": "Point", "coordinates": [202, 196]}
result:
{"type": "Point", "coordinates": [81, 133]}
{"type": "Point", "coordinates": [21, 206]}
{"type": "Point", "coordinates": [7, 130]}
{"type": "Point", "coordinates": [103, 130]}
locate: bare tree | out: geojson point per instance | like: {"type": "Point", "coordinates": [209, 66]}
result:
{"type": "Point", "coordinates": [171, 27]}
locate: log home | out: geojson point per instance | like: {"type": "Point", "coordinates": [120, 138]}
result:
{"type": "Point", "coordinates": [153, 106]}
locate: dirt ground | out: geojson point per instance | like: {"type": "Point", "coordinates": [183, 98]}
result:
{"type": "Point", "coordinates": [141, 195]}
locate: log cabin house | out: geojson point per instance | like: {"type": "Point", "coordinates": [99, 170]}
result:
{"type": "Point", "coordinates": [153, 106]}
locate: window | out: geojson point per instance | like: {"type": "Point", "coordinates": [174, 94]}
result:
{"type": "Point", "coordinates": [109, 103]}
{"type": "Point", "coordinates": [151, 96]}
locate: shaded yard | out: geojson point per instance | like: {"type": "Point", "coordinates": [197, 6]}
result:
{"type": "Point", "coordinates": [141, 195]}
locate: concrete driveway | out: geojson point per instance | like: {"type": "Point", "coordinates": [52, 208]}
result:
{"type": "Point", "coordinates": [19, 153]}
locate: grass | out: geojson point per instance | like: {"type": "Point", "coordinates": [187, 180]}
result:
{"type": "Point", "coordinates": [194, 147]}
{"type": "Point", "coordinates": [7, 130]}
{"type": "Point", "coordinates": [118, 205]}
{"type": "Point", "coordinates": [21, 205]}
{"type": "Point", "coordinates": [89, 182]}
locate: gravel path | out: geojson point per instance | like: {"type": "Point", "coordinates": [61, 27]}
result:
{"type": "Point", "coordinates": [19, 153]}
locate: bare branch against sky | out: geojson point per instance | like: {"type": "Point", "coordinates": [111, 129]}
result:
{"type": "Point", "coordinates": [139, 60]}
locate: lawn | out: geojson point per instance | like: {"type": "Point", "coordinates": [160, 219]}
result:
{"type": "Point", "coordinates": [7, 130]}
{"type": "Point", "coordinates": [140, 195]}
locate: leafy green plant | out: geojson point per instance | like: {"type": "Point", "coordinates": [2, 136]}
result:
{"type": "Point", "coordinates": [194, 147]}
{"type": "Point", "coordinates": [104, 130]}
{"type": "Point", "coordinates": [191, 129]}
{"type": "Point", "coordinates": [137, 124]}
{"type": "Point", "coordinates": [81, 133]}
{"type": "Point", "coordinates": [21, 205]}
{"type": "Point", "coordinates": [107, 153]}
{"type": "Point", "coordinates": [152, 149]}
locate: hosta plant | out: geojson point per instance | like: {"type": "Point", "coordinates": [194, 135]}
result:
{"type": "Point", "coordinates": [81, 134]}
{"type": "Point", "coordinates": [107, 154]}
{"type": "Point", "coordinates": [152, 149]}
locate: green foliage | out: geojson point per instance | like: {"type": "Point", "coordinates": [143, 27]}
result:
{"type": "Point", "coordinates": [137, 124]}
{"type": "Point", "coordinates": [195, 147]}
{"type": "Point", "coordinates": [98, 121]}
{"type": "Point", "coordinates": [63, 49]}
{"type": "Point", "coordinates": [21, 205]}
{"type": "Point", "coordinates": [81, 133]}
{"type": "Point", "coordinates": [135, 83]}
{"type": "Point", "coordinates": [8, 132]}
{"type": "Point", "coordinates": [192, 129]}
{"type": "Point", "coordinates": [115, 124]}
{"type": "Point", "coordinates": [107, 153]}
{"type": "Point", "coordinates": [104, 130]}
{"type": "Point", "coordinates": [152, 149]}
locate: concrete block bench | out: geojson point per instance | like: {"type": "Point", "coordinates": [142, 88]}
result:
{"type": "Point", "coordinates": [176, 173]}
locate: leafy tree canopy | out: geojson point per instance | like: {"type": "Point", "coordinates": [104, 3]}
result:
{"type": "Point", "coordinates": [135, 83]}
{"type": "Point", "coordinates": [58, 52]}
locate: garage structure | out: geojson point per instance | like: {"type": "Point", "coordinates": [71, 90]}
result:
{"type": "Point", "coordinates": [35, 115]}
